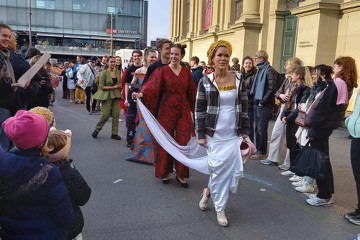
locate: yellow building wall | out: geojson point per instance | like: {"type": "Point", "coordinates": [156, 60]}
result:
{"type": "Point", "coordinates": [349, 42]}
{"type": "Point", "coordinates": [307, 39]}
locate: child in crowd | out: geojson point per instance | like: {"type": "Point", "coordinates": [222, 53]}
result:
{"type": "Point", "coordinates": [59, 143]}
{"type": "Point", "coordinates": [46, 113]}
{"type": "Point", "coordinates": [34, 201]}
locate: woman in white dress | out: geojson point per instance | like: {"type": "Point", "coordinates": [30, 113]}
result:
{"type": "Point", "coordinates": [221, 121]}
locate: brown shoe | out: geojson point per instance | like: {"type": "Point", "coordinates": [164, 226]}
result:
{"type": "Point", "coordinates": [258, 156]}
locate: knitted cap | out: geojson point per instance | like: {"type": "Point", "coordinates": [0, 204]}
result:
{"type": "Point", "coordinates": [26, 129]}
{"type": "Point", "coordinates": [45, 112]}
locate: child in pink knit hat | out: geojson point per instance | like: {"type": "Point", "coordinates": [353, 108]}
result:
{"type": "Point", "coordinates": [59, 143]}
{"type": "Point", "coordinates": [34, 201]}
{"type": "Point", "coordinates": [26, 130]}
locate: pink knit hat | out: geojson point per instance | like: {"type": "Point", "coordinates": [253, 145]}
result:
{"type": "Point", "coordinates": [26, 129]}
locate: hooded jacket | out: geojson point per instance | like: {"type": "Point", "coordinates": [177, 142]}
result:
{"type": "Point", "coordinates": [34, 202]}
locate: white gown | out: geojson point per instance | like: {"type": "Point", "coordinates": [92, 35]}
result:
{"type": "Point", "coordinates": [222, 160]}
{"type": "Point", "coordinates": [224, 156]}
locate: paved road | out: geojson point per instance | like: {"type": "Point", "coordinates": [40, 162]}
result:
{"type": "Point", "coordinates": [138, 206]}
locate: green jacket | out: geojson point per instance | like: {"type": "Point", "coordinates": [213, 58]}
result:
{"type": "Point", "coordinates": [106, 80]}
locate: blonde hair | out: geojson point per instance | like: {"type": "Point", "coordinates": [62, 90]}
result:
{"type": "Point", "coordinates": [308, 78]}
{"type": "Point", "coordinates": [13, 43]}
{"type": "Point", "coordinates": [293, 62]}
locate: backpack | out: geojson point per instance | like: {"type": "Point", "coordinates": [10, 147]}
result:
{"type": "Point", "coordinates": [75, 70]}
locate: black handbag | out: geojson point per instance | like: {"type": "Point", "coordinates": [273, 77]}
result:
{"type": "Point", "coordinates": [310, 162]}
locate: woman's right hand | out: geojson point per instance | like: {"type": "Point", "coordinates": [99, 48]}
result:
{"type": "Point", "coordinates": [135, 95]}
{"type": "Point", "coordinates": [202, 142]}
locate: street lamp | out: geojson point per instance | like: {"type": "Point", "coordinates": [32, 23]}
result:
{"type": "Point", "coordinates": [30, 34]}
{"type": "Point", "coordinates": [112, 16]}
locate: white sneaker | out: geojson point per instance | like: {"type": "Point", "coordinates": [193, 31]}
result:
{"type": "Point", "coordinates": [313, 195]}
{"type": "Point", "coordinates": [287, 173]}
{"type": "Point", "coordinates": [205, 196]}
{"type": "Point", "coordinates": [305, 188]}
{"type": "Point", "coordinates": [298, 184]}
{"type": "Point", "coordinates": [317, 202]}
{"type": "Point", "coordinates": [283, 167]}
{"type": "Point", "coordinates": [221, 218]}
{"type": "Point", "coordinates": [295, 178]}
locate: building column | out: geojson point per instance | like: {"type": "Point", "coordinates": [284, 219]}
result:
{"type": "Point", "coordinates": [251, 10]}
{"type": "Point", "coordinates": [275, 33]}
{"type": "Point", "coordinates": [172, 20]}
{"type": "Point", "coordinates": [192, 18]}
{"type": "Point", "coordinates": [215, 16]}
{"type": "Point", "coordinates": [248, 28]}
{"type": "Point", "coordinates": [201, 16]}
{"type": "Point", "coordinates": [317, 21]}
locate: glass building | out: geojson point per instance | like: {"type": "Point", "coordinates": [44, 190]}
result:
{"type": "Point", "coordinates": [77, 27]}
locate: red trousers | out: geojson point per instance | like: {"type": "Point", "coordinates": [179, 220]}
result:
{"type": "Point", "coordinates": [177, 122]}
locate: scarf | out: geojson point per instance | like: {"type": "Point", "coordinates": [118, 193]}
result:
{"type": "Point", "coordinates": [258, 87]}
{"type": "Point", "coordinates": [6, 71]}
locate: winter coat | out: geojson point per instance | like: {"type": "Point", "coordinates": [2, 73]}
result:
{"type": "Point", "coordinates": [353, 122]}
{"type": "Point", "coordinates": [197, 74]}
{"type": "Point", "coordinates": [249, 78]}
{"type": "Point", "coordinates": [79, 192]}
{"type": "Point", "coordinates": [325, 115]}
{"type": "Point", "coordinates": [302, 95]}
{"type": "Point", "coordinates": [21, 66]}
{"type": "Point", "coordinates": [34, 202]}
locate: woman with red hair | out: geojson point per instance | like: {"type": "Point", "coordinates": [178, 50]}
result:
{"type": "Point", "coordinates": [325, 115]}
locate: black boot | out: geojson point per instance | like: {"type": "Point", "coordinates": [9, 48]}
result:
{"type": "Point", "coordinates": [94, 134]}
{"type": "Point", "coordinates": [116, 137]}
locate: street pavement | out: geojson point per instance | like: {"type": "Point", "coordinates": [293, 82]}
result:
{"type": "Point", "coordinates": [127, 202]}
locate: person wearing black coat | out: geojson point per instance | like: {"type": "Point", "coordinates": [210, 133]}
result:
{"type": "Point", "coordinates": [324, 116]}
{"type": "Point", "coordinates": [20, 66]}
{"type": "Point", "coordinates": [45, 88]}
{"type": "Point", "coordinates": [65, 89]}
{"type": "Point", "coordinates": [248, 71]}
{"type": "Point", "coordinates": [263, 90]}
{"type": "Point", "coordinates": [299, 94]}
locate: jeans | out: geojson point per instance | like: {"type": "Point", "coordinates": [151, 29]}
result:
{"type": "Point", "coordinates": [262, 117]}
{"type": "Point", "coordinates": [251, 123]}
{"type": "Point", "coordinates": [4, 140]}
{"type": "Point", "coordinates": [131, 118]}
{"type": "Point", "coordinates": [355, 164]}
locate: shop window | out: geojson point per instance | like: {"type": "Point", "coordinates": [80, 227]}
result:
{"type": "Point", "coordinates": [47, 4]}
